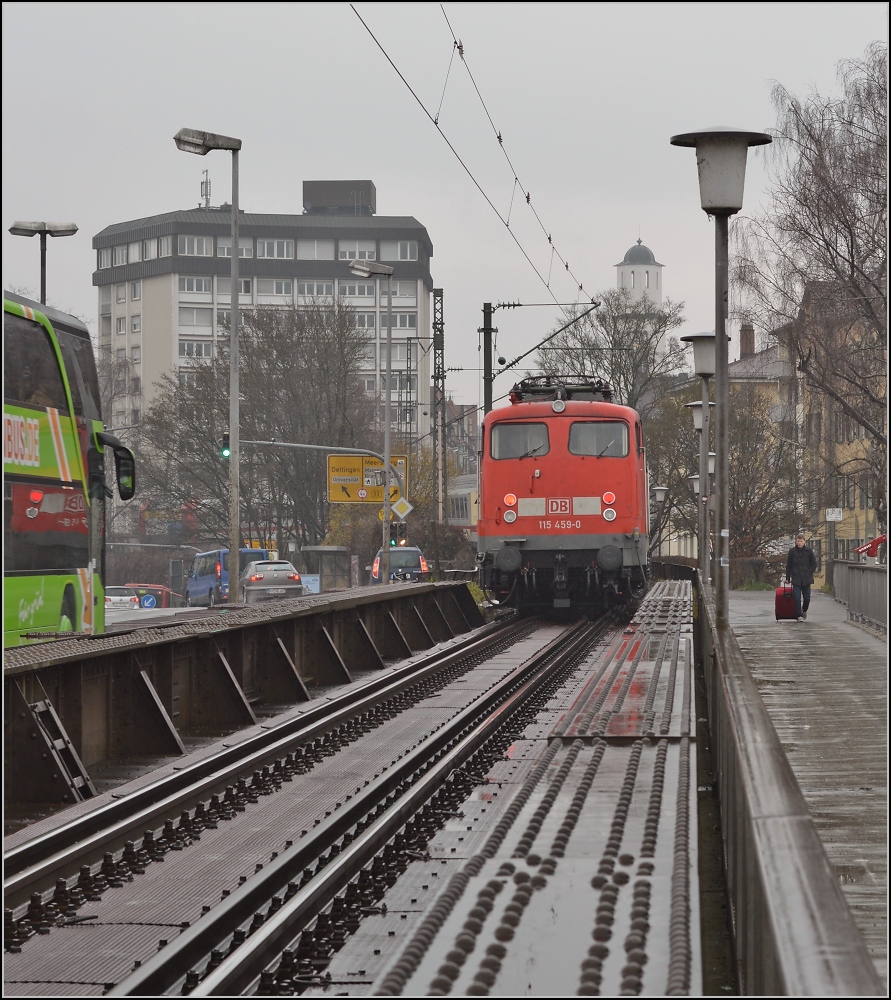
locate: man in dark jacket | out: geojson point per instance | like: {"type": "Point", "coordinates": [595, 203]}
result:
{"type": "Point", "coordinates": [801, 564]}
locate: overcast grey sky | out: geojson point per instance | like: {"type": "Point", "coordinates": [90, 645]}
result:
{"type": "Point", "coordinates": [585, 96]}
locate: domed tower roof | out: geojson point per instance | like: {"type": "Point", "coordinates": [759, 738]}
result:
{"type": "Point", "coordinates": [639, 254]}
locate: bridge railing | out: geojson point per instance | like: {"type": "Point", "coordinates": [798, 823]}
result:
{"type": "Point", "coordinates": [864, 589]}
{"type": "Point", "coordinates": [793, 930]}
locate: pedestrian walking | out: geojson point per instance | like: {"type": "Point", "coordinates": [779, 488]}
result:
{"type": "Point", "coordinates": [801, 564]}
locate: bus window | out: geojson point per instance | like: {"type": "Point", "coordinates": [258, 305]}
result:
{"type": "Point", "coordinates": [31, 374]}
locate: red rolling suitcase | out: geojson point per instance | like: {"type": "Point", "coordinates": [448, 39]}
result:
{"type": "Point", "coordinates": [784, 602]}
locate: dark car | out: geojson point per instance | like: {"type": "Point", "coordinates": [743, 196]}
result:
{"type": "Point", "coordinates": [269, 580]}
{"type": "Point", "coordinates": [407, 563]}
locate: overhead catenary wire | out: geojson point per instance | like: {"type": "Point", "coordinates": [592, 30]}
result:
{"type": "Point", "coordinates": [434, 119]}
{"type": "Point", "coordinates": [499, 136]}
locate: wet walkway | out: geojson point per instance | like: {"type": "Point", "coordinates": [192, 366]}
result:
{"type": "Point", "coordinates": [825, 685]}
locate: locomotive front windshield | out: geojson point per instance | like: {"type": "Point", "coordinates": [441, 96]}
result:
{"type": "Point", "coordinates": [515, 440]}
{"type": "Point", "coordinates": [599, 438]}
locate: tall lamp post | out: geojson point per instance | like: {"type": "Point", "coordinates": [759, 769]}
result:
{"type": "Point", "coordinates": [192, 141]}
{"type": "Point", "coordinates": [365, 269]}
{"type": "Point", "coordinates": [721, 158]}
{"type": "Point", "coordinates": [44, 229]}
{"type": "Point", "coordinates": [704, 365]}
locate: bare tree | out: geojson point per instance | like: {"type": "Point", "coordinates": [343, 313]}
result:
{"type": "Point", "coordinates": [626, 342]}
{"type": "Point", "coordinates": [812, 266]}
{"type": "Point", "coordinates": [300, 383]}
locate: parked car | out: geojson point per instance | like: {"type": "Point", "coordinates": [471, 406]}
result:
{"type": "Point", "coordinates": [154, 595]}
{"type": "Point", "coordinates": [269, 580]}
{"type": "Point", "coordinates": [208, 581]}
{"type": "Point", "coordinates": [407, 563]}
{"type": "Point", "coordinates": [121, 597]}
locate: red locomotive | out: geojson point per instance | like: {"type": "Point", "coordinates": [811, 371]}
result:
{"type": "Point", "coordinates": [564, 518]}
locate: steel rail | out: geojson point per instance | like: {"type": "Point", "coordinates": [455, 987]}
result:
{"type": "Point", "coordinates": [34, 865]}
{"type": "Point", "coordinates": [453, 744]}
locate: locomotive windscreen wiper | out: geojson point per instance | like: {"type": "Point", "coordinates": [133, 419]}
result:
{"type": "Point", "coordinates": [606, 449]}
{"type": "Point", "coordinates": [532, 451]}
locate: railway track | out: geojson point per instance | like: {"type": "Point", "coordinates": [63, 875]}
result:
{"type": "Point", "coordinates": [49, 880]}
{"type": "Point", "coordinates": [281, 864]}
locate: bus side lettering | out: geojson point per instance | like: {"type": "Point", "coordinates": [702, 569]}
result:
{"type": "Point", "coordinates": [21, 440]}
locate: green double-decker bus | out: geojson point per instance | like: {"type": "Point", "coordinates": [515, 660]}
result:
{"type": "Point", "coordinates": [54, 490]}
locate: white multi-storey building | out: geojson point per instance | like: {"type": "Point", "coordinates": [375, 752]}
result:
{"type": "Point", "coordinates": [165, 289]}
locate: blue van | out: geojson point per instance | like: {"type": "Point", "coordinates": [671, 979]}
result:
{"type": "Point", "coordinates": [208, 581]}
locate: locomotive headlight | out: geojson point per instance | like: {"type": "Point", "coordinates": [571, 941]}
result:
{"type": "Point", "coordinates": [558, 406]}
{"type": "Point", "coordinates": [609, 498]}
{"type": "Point", "coordinates": [609, 514]}
{"type": "Point", "coordinates": [510, 516]}
{"type": "Point", "coordinates": [510, 499]}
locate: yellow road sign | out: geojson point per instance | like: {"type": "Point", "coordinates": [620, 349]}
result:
{"type": "Point", "coordinates": [360, 478]}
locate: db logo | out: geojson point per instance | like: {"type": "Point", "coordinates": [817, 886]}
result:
{"type": "Point", "coordinates": [558, 505]}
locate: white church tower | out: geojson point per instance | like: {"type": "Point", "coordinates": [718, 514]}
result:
{"type": "Point", "coordinates": [640, 274]}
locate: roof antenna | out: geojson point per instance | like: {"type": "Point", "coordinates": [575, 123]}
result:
{"type": "Point", "coordinates": [205, 190]}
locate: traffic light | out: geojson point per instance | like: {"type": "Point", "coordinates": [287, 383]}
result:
{"type": "Point", "coordinates": [394, 533]}
{"type": "Point", "coordinates": [401, 533]}
{"type": "Point", "coordinates": [225, 450]}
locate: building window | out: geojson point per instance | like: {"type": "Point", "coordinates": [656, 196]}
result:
{"type": "Point", "coordinates": [136, 323]}
{"type": "Point", "coordinates": [187, 379]}
{"type": "Point", "coordinates": [189, 284]}
{"type": "Point", "coordinates": [165, 246]}
{"type": "Point", "coordinates": [195, 246]}
{"type": "Point", "coordinates": [195, 317]}
{"type": "Point", "coordinates": [121, 324]}
{"type": "Point", "coordinates": [315, 288]}
{"type": "Point", "coordinates": [632, 279]}
{"type": "Point", "coordinates": [278, 249]}
{"type": "Point", "coordinates": [401, 289]}
{"type": "Point", "coordinates": [401, 352]}
{"type": "Point", "coordinates": [356, 250]}
{"type": "Point", "coordinates": [245, 246]}
{"type": "Point", "coordinates": [121, 354]}
{"type": "Point", "coordinates": [355, 288]}
{"type": "Point", "coordinates": [399, 249]}
{"type": "Point", "coordinates": [364, 321]}
{"type": "Point", "coordinates": [135, 385]}
{"type": "Point", "coordinates": [402, 321]}
{"type": "Point", "coordinates": [368, 359]}
{"type": "Point", "coordinates": [275, 286]}
{"type": "Point", "coordinates": [647, 279]}
{"type": "Point", "coordinates": [369, 385]}
{"type": "Point", "coordinates": [135, 416]}
{"type": "Point", "coordinates": [134, 253]}
{"type": "Point", "coordinates": [105, 257]}
{"type": "Point", "coordinates": [224, 286]}
{"type": "Point", "coordinates": [119, 256]}
{"type": "Point", "coordinates": [136, 290]}
{"type": "Point", "coordinates": [315, 249]}
{"type": "Point", "coordinates": [136, 355]}
{"type": "Point", "coordinates": [149, 249]}
{"type": "Point", "coordinates": [120, 293]}
{"type": "Point", "coordinates": [196, 348]}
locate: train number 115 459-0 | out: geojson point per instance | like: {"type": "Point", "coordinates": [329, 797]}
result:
{"type": "Point", "coordinates": [559, 525]}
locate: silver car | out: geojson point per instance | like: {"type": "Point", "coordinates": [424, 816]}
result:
{"type": "Point", "coordinates": [117, 598]}
{"type": "Point", "coordinates": [269, 580]}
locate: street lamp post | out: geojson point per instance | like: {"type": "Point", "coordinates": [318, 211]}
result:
{"type": "Point", "coordinates": [704, 365]}
{"type": "Point", "coordinates": [365, 269]}
{"type": "Point", "coordinates": [721, 159]}
{"type": "Point", "coordinates": [659, 495]}
{"type": "Point", "coordinates": [192, 141]}
{"type": "Point", "coordinates": [44, 229]}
